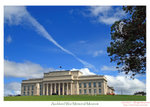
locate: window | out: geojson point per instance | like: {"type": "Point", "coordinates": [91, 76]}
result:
{"type": "Point", "coordinates": [80, 85]}
{"type": "Point", "coordinates": [32, 93]}
{"type": "Point", "coordinates": [80, 91]}
{"type": "Point", "coordinates": [24, 93]}
{"type": "Point", "coordinates": [99, 84]}
{"type": "Point", "coordinates": [89, 84]}
{"type": "Point", "coordinates": [94, 84]}
{"type": "Point", "coordinates": [89, 91]}
{"type": "Point", "coordinates": [84, 91]}
{"type": "Point", "coordinates": [94, 91]}
{"type": "Point", "coordinates": [28, 92]}
{"type": "Point", "coordinates": [40, 89]}
{"type": "Point", "coordinates": [84, 85]}
{"type": "Point", "coordinates": [32, 87]}
{"type": "Point", "coordinates": [99, 91]}
{"type": "Point", "coordinates": [40, 93]}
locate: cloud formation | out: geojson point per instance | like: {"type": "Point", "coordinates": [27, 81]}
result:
{"type": "Point", "coordinates": [97, 53]}
{"type": "Point", "coordinates": [26, 69]}
{"type": "Point", "coordinates": [18, 15]}
{"type": "Point", "coordinates": [32, 70]}
{"type": "Point", "coordinates": [14, 15]}
{"type": "Point", "coordinates": [108, 68]}
{"type": "Point", "coordinates": [106, 14]}
{"type": "Point", "coordinates": [127, 86]}
{"type": "Point", "coordinates": [85, 71]}
{"type": "Point", "coordinates": [12, 88]}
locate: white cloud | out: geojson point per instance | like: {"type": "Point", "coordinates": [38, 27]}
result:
{"type": "Point", "coordinates": [106, 14]}
{"type": "Point", "coordinates": [82, 42]}
{"type": "Point", "coordinates": [9, 39]}
{"type": "Point", "coordinates": [108, 68]}
{"type": "Point", "coordinates": [123, 85]}
{"type": "Point", "coordinates": [96, 10]}
{"type": "Point", "coordinates": [85, 71]}
{"type": "Point", "coordinates": [97, 53]}
{"type": "Point", "coordinates": [26, 69]}
{"type": "Point", "coordinates": [108, 20]}
{"type": "Point", "coordinates": [12, 88]}
{"type": "Point", "coordinates": [20, 14]}
{"type": "Point", "coordinates": [13, 15]}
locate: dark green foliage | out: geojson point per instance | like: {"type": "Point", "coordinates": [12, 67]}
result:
{"type": "Point", "coordinates": [128, 46]}
{"type": "Point", "coordinates": [141, 92]}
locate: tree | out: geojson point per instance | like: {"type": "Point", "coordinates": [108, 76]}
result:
{"type": "Point", "coordinates": [140, 92]}
{"type": "Point", "coordinates": [128, 45]}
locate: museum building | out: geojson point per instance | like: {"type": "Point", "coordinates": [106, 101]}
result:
{"type": "Point", "coordinates": [66, 83]}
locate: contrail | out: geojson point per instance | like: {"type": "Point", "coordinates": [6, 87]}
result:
{"type": "Point", "coordinates": [42, 31]}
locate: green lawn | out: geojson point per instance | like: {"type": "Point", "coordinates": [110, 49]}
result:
{"type": "Point", "coordinates": [77, 98]}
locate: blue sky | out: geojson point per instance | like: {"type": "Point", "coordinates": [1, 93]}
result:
{"type": "Point", "coordinates": [39, 39]}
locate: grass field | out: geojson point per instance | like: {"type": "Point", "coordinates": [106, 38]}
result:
{"type": "Point", "coordinates": [77, 98]}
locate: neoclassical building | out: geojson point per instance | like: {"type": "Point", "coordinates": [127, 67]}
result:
{"type": "Point", "coordinates": [66, 83]}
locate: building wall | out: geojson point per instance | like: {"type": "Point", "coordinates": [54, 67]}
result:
{"type": "Point", "coordinates": [68, 78]}
{"type": "Point", "coordinates": [91, 87]}
{"type": "Point", "coordinates": [28, 89]}
{"type": "Point", "coordinates": [76, 89]}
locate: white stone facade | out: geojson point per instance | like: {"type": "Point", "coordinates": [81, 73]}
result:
{"type": "Point", "coordinates": [66, 83]}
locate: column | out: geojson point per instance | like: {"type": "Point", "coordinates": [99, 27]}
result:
{"type": "Point", "coordinates": [71, 88]}
{"type": "Point", "coordinates": [37, 89]}
{"type": "Point", "coordinates": [26, 90]}
{"type": "Point", "coordinates": [62, 88]}
{"type": "Point", "coordinates": [51, 89]}
{"type": "Point", "coordinates": [82, 87]}
{"type": "Point", "coordinates": [87, 88]}
{"type": "Point", "coordinates": [97, 88]}
{"type": "Point", "coordinates": [47, 89]}
{"type": "Point", "coordinates": [67, 89]}
{"type": "Point", "coordinates": [103, 86]}
{"type": "Point", "coordinates": [92, 88]}
{"type": "Point", "coordinates": [58, 88]}
{"type": "Point", "coordinates": [77, 88]}
{"type": "Point", "coordinates": [43, 89]}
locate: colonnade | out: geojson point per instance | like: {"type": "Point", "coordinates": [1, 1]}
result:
{"type": "Point", "coordinates": [57, 88]}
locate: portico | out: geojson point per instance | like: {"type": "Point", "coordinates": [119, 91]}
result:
{"type": "Point", "coordinates": [59, 88]}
